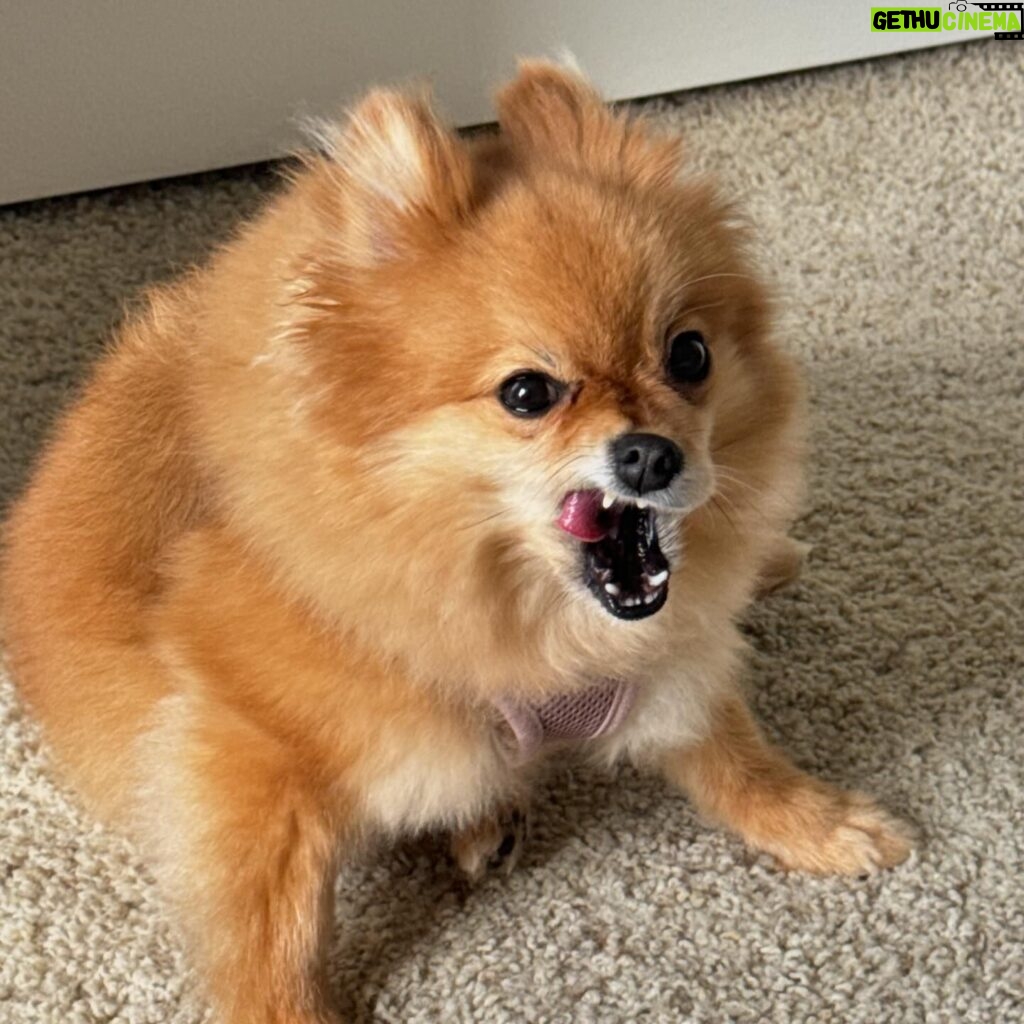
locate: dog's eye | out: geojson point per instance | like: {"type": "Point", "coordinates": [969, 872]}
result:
{"type": "Point", "coordinates": [529, 394]}
{"type": "Point", "coordinates": [689, 361]}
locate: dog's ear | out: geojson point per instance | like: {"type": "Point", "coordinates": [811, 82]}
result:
{"type": "Point", "coordinates": [405, 179]}
{"type": "Point", "coordinates": [551, 113]}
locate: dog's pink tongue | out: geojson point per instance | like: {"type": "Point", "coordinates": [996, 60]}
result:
{"type": "Point", "coordinates": [580, 515]}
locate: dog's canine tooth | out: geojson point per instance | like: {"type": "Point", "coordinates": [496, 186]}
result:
{"type": "Point", "coordinates": [612, 589]}
{"type": "Point", "coordinates": [657, 579]}
{"type": "Point", "coordinates": [608, 500]}
{"type": "Point", "coordinates": [641, 504]}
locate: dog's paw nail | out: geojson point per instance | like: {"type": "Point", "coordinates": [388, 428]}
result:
{"type": "Point", "coordinates": [491, 845]}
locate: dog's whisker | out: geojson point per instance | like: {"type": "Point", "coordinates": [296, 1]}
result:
{"type": "Point", "coordinates": [568, 461]}
{"type": "Point", "coordinates": [732, 479]}
{"type": "Point", "coordinates": [485, 519]}
{"type": "Point", "coordinates": [562, 467]}
{"type": "Point", "coordinates": [716, 503]}
{"type": "Point", "coordinates": [748, 511]}
{"type": "Point", "coordinates": [712, 277]}
{"type": "Point", "coordinates": [758, 493]}
{"type": "Point", "coordinates": [698, 309]}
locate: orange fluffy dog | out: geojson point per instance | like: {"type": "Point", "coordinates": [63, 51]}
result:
{"type": "Point", "coordinates": [458, 454]}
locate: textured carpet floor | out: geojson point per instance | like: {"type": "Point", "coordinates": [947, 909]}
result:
{"type": "Point", "coordinates": [889, 197]}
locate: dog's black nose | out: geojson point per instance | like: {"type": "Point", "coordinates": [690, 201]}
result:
{"type": "Point", "coordinates": [646, 462]}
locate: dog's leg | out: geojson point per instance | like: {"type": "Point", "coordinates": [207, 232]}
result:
{"type": "Point", "coordinates": [783, 565]}
{"type": "Point", "coordinates": [493, 844]}
{"type": "Point", "coordinates": [244, 849]}
{"type": "Point", "coordinates": [735, 777]}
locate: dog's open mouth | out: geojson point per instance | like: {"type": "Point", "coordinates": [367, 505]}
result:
{"type": "Point", "coordinates": [622, 562]}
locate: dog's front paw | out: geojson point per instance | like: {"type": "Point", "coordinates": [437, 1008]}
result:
{"type": "Point", "coordinates": [493, 844]}
{"type": "Point", "coordinates": [830, 832]}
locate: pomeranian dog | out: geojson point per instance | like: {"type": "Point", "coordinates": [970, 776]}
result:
{"type": "Point", "coordinates": [460, 453]}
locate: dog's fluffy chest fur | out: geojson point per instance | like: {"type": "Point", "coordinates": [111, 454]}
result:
{"type": "Point", "coordinates": [414, 753]}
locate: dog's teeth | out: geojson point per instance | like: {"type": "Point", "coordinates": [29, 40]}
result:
{"type": "Point", "coordinates": [649, 599]}
{"type": "Point", "coordinates": [641, 504]}
{"type": "Point", "coordinates": [657, 579]}
{"type": "Point", "coordinates": [608, 500]}
{"type": "Point", "coordinates": [612, 589]}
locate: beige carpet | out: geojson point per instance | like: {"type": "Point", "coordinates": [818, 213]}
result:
{"type": "Point", "coordinates": [891, 199]}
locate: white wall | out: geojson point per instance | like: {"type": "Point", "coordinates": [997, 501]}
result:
{"type": "Point", "coordinates": [102, 92]}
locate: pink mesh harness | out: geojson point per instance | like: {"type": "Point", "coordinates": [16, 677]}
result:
{"type": "Point", "coordinates": [593, 712]}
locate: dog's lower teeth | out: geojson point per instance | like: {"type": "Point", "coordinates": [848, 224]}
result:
{"type": "Point", "coordinates": [650, 598]}
{"type": "Point", "coordinates": [612, 589]}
